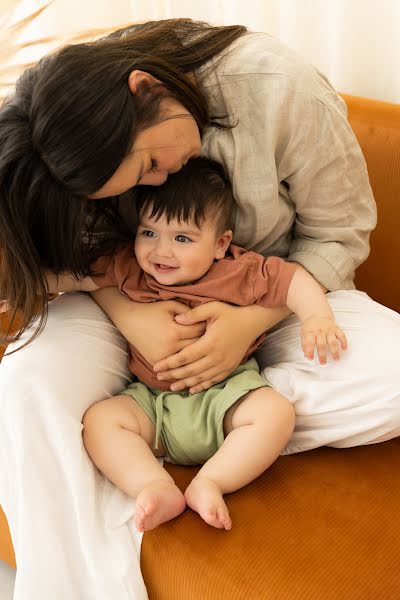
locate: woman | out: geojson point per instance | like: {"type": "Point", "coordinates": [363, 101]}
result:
{"type": "Point", "coordinates": [86, 126]}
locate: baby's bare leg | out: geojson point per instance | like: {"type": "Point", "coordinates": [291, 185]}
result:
{"type": "Point", "coordinates": [257, 428]}
{"type": "Point", "coordinates": [118, 436]}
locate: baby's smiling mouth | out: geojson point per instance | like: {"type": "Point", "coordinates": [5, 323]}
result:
{"type": "Point", "coordinates": [164, 268]}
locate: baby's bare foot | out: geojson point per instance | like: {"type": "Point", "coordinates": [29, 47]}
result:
{"type": "Point", "coordinates": [205, 497]}
{"type": "Point", "coordinates": [158, 503]}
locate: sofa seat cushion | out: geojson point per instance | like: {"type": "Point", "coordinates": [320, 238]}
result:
{"type": "Point", "coordinates": [321, 525]}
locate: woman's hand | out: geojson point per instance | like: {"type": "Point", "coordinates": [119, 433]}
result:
{"type": "Point", "coordinates": [230, 332]}
{"type": "Point", "coordinates": [4, 306]}
{"type": "Point", "coordinates": [151, 327]}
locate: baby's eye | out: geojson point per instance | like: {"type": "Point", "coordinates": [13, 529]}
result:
{"type": "Point", "coordinates": [148, 233]}
{"type": "Point", "coordinates": [183, 239]}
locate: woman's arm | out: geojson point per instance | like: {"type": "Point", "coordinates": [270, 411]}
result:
{"type": "Point", "coordinates": [66, 282]}
{"type": "Point", "coordinates": [150, 327]}
{"type": "Point", "coordinates": [60, 283]}
{"type": "Point", "coordinates": [328, 183]}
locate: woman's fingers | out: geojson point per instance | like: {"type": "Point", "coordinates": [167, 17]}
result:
{"type": "Point", "coordinates": [184, 363]}
{"type": "Point", "coordinates": [187, 332]}
{"type": "Point", "coordinates": [195, 315]}
{"type": "Point", "coordinates": [202, 380]}
{"type": "Point", "coordinates": [187, 342]}
{"type": "Point", "coordinates": [212, 379]}
{"type": "Point", "coordinates": [4, 306]}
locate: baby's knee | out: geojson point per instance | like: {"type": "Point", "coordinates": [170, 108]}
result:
{"type": "Point", "coordinates": [272, 409]}
{"type": "Point", "coordinates": [99, 414]}
{"type": "Point", "coordinates": [98, 422]}
{"type": "Point", "coordinates": [279, 405]}
{"type": "Point", "coordinates": [115, 412]}
{"type": "Point", "coordinates": [261, 407]}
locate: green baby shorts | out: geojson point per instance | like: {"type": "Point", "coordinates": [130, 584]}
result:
{"type": "Point", "coordinates": [191, 425]}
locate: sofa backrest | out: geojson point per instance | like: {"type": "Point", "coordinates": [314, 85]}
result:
{"type": "Point", "coordinates": [377, 127]}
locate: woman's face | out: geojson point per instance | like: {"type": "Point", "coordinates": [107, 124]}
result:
{"type": "Point", "coordinates": [157, 151]}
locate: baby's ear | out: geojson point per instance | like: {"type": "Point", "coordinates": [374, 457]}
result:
{"type": "Point", "coordinates": [4, 306]}
{"type": "Point", "coordinates": [222, 244]}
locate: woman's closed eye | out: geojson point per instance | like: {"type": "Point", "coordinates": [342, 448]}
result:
{"type": "Point", "coordinates": [154, 166]}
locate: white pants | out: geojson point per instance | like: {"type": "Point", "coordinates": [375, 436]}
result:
{"type": "Point", "coordinates": [71, 528]}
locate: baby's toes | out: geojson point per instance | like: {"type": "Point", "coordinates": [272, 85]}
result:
{"type": "Point", "coordinates": [139, 518]}
{"type": "Point", "coordinates": [224, 518]}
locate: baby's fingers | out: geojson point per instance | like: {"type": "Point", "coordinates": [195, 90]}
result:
{"type": "Point", "coordinates": [321, 347]}
{"type": "Point", "coordinates": [308, 341]}
{"type": "Point", "coordinates": [334, 345]}
{"type": "Point", "coordinates": [341, 337]}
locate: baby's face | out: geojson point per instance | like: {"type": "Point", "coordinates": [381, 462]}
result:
{"type": "Point", "coordinates": [178, 252]}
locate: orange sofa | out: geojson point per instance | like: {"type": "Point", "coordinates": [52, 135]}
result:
{"type": "Point", "coordinates": [322, 525]}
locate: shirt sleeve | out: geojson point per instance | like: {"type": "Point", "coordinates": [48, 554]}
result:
{"type": "Point", "coordinates": [297, 170]}
{"type": "Point", "coordinates": [115, 270]}
{"type": "Point", "coordinates": [328, 183]}
{"type": "Point", "coordinates": [271, 280]}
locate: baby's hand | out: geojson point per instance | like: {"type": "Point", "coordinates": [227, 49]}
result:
{"type": "Point", "coordinates": [322, 332]}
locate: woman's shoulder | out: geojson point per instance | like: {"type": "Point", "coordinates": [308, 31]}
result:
{"type": "Point", "coordinates": [264, 62]}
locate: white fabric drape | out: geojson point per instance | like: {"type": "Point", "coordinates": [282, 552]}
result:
{"type": "Point", "coordinates": [356, 43]}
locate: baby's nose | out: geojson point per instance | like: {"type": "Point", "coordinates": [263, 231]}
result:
{"type": "Point", "coordinates": [164, 248]}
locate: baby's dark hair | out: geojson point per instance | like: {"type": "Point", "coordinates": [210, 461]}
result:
{"type": "Point", "coordinates": [200, 190]}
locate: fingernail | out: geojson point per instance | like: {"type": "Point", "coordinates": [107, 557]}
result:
{"type": "Point", "coordinates": [160, 377]}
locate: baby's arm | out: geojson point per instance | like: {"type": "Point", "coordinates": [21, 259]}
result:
{"type": "Point", "coordinates": [306, 299]}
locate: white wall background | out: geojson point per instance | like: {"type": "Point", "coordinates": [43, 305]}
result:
{"type": "Point", "coordinates": [355, 42]}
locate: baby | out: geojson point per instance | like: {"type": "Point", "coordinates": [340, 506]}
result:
{"type": "Point", "coordinates": [238, 427]}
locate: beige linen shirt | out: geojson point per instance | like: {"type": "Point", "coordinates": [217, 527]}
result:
{"type": "Point", "coordinates": [298, 173]}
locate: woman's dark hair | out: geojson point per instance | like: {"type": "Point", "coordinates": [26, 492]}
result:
{"type": "Point", "coordinates": [200, 190]}
{"type": "Point", "coordinates": [64, 133]}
